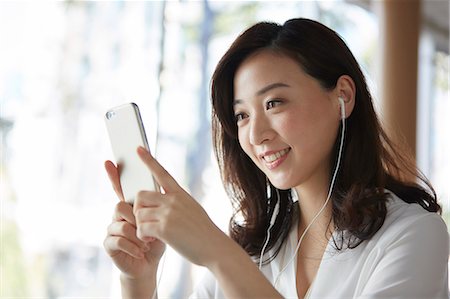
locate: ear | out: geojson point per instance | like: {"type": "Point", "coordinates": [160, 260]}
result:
{"type": "Point", "coordinates": [345, 88]}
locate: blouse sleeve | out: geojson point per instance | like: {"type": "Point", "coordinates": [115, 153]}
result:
{"type": "Point", "coordinates": [414, 264]}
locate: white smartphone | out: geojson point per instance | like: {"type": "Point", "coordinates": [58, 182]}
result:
{"type": "Point", "coordinates": [126, 133]}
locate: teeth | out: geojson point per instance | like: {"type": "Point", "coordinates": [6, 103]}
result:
{"type": "Point", "coordinates": [273, 157]}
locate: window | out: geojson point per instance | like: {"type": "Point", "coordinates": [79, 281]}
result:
{"type": "Point", "coordinates": [66, 63]}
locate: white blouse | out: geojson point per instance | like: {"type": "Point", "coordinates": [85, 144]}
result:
{"type": "Point", "coordinates": [407, 258]}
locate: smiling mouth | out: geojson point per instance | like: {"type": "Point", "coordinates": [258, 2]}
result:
{"type": "Point", "coordinates": [275, 156]}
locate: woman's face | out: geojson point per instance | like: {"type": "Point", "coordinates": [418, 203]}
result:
{"type": "Point", "coordinates": [287, 123]}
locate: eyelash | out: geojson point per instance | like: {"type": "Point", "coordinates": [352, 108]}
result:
{"type": "Point", "coordinates": [272, 102]}
{"type": "Point", "coordinates": [238, 117]}
{"type": "Point", "coordinates": [269, 105]}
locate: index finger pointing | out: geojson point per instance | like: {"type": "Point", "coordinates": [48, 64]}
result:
{"type": "Point", "coordinates": [164, 179]}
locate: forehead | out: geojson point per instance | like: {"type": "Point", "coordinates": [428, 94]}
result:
{"type": "Point", "coordinates": [263, 69]}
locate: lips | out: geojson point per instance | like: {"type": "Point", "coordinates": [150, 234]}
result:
{"type": "Point", "coordinates": [273, 159]}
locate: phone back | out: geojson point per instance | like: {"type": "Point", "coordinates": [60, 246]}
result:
{"type": "Point", "coordinates": [126, 134]}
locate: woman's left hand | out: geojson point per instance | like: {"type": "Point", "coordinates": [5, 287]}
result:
{"type": "Point", "coordinates": [175, 217]}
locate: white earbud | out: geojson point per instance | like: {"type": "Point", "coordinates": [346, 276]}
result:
{"type": "Point", "coordinates": [342, 105]}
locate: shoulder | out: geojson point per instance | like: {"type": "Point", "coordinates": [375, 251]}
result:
{"type": "Point", "coordinates": [412, 226]}
{"type": "Point", "coordinates": [403, 216]}
{"type": "Point", "coordinates": [408, 256]}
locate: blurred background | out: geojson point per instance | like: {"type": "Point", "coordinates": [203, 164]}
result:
{"type": "Point", "coordinates": [63, 64]}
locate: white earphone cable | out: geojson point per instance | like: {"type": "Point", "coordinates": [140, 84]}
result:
{"type": "Point", "coordinates": [264, 247]}
{"type": "Point", "coordinates": [272, 222]}
{"type": "Point", "coordinates": [324, 205]}
{"type": "Point", "coordinates": [158, 282]}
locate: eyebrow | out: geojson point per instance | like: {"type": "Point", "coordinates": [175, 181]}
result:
{"type": "Point", "coordinates": [264, 90]}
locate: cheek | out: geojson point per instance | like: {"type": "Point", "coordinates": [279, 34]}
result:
{"type": "Point", "coordinates": [294, 127]}
{"type": "Point", "coordinates": [310, 132]}
{"type": "Point", "coordinates": [244, 141]}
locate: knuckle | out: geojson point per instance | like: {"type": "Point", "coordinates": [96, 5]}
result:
{"type": "Point", "coordinates": [164, 227]}
{"type": "Point", "coordinates": [171, 200]}
{"type": "Point", "coordinates": [124, 229]}
{"type": "Point", "coordinates": [140, 232]}
{"type": "Point", "coordinates": [141, 199]}
{"type": "Point", "coordinates": [106, 243]}
{"type": "Point", "coordinates": [138, 215]}
{"type": "Point", "coordinates": [146, 230]}
{"type": "Point", "coordinates": [109, 229]}
{"type": "Point", "coordinates": [120, 243]}
{"type": "Point", "coordinates": [138, 196]}
{"type": "Point", "coordinates": [141, 215]}
{"type": "Point", "coordinates": [168, 215]}
{"type": "Point", "coordinates": [109, 248]}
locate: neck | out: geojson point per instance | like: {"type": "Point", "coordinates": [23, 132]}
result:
{"type": "Point", "coordinates": [311, 198]}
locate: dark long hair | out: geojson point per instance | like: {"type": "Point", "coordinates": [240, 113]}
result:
{"type": "Point", "coordinates": [371, 162]}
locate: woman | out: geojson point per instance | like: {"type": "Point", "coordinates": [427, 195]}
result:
{"type": "Point", "coordinates": [329, 207]}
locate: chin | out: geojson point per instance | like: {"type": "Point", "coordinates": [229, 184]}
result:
{"type": "Point", "coordinates": [287, 182]}
{"type": "Point", "coordinates": [283, 186]}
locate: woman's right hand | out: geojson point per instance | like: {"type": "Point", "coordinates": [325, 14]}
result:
{"type": "Point", "coordinates": [134, 258]}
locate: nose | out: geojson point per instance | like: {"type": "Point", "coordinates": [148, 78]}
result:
{"type": "Point", "coordinates": [260, 130]}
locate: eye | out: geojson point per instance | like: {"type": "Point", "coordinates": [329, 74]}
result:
{"type": "Point", "coordinates": [272, 103]}
{"type": "Point", "coordinates": [239, 116]}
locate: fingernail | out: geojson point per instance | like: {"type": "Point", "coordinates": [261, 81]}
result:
{"type": "Point", "coordinates": [142, 149]}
